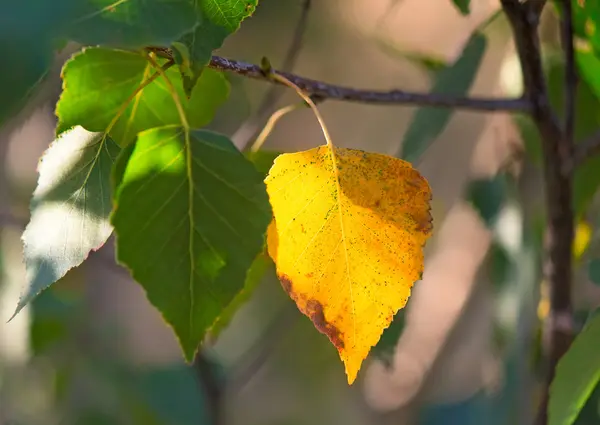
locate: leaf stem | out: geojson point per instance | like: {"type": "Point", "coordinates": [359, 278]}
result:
{"type": "Point", "coordinates": [270, 124]}
{"type": "Point", "coordinates": [281, 79]}
{"type": "Point", "coordinates": [246, 132]}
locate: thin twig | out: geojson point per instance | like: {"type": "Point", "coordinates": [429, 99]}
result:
{"type": "Point", "coordinates": [557, 151]}
{"type": "Point", "coordinates": [323, 91]}
{"type": "Point", "coordinates": [248, 130]}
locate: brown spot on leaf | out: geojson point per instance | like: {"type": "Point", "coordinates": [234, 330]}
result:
{"type": "Point", "coordinates": [314, 310]}
{"type": "Point", "coordinates": [309, 275]}
{"type": "Point", "coordinates": [286, 283]}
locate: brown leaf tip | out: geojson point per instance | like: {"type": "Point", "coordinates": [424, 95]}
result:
{"type": "Point", "coordinates": [314, 310]}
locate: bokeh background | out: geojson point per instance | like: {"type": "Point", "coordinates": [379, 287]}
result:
{"type": "Point", "coordinates": [92, 351]}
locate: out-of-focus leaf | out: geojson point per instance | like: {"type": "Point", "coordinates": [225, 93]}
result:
{"type": "Point", "coordinates": [500, 264]}
{"type": "Point", "coordinates": [456, 79]}
{"type": "Point", "coordinates": [173, 395]}
{"type": "Point", "coordinates": [577, 374]}
{"type": "Point", "coordinates": [487, 195]}
{"type": "Point", "coordinates": [463, 6]}
{"type": "Point", "coordinates": [594, 270]}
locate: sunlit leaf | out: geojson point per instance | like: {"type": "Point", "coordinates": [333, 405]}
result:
{"type": "Point", "coordinates": [190, 218]}
{"type": "Point", "coordinates": [100, 94]}
{"type": "Point", "coordinates": [70, 208]}
{"type": "Point", "coordinates": [347, 240]}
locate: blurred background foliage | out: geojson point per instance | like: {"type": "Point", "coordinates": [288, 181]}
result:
{"type": "Point", "coordinates": [91, 351]}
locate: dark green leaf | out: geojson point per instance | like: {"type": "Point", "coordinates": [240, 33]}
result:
{"type": "Point", "coordinates": [100, 86]}
{"type": "Point", "coordinates": [70, 208]}
{"type": "Point", "coordinates": [577, 374]}
{"type": "Point", "coordinates": [217, 19]}
{"type": "Point", "coordinates": [594, 270]}
{"type": "Point", "coordinates": [500, 265]}
{"type": "Point", "coordinates": [125, 24]}
{"type": "Point", "coordinates": [463, 6]}
{"type": "Point", "coordinates": [253, 278]}
{"type": "Point", "coordinates": [30, 61]}
{"type": "Point", "coordinates": [173, 395]}
{"type": "Point", "coordinates": [190, 218]}
{"type": "Point", "coordinates": [263, 160]}
{"type": "Point", "coordinates": [487, 197]}
{"type": "Point", "coordinates": [429, 122]}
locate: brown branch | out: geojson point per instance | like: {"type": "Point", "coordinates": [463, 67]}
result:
{"type": "Point", "coordinates": [324, 91]}
{"type": "Point", "coordinates": [557, 148]}
{"type": "Point", "coordinates": [249, 129]}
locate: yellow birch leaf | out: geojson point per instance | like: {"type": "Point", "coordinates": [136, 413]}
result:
{"type": "Point", "coordinates": [347, 239]}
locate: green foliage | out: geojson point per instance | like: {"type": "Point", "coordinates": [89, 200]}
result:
{"type": "Point", "coordinates": [456, 79]}
{"type": "Point", "coordinates": [463, 6]}
{"type": "Point", "coordinates": [487, 195]}
{"type": "Point", "coordinates": [101, 94]}
{"type": "Point", "coordinates": [217, 19]}
{"type": "Point", "coordinates": [577, 375]}
{"type": "Point", "coordinates": [70, 208]}
{"type": "Point", "coordinates": [594, 270]}
{"type": "Point", "coordinates": [191, 211]}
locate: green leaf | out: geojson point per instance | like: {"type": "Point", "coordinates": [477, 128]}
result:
{"type": "Point", "coordinates": [487, 195]}
{"type": "Point", "coordinates": [100, 86]}
{"type": "Point", "coordinates": [586, 20]}
{"type": "Point", "coordinates": [70, 208]}
{"type": "Point", "coordinates": [190, 218]}
{"type": "Point", "coordinates": [263, 160]}
{"type": "Point", "coordinates": [254, 277]}
{"type": "Point", "coordinates": [429, 122]}
{"type": "Point", "coordinates": [125, 24]}
{"type": "Point", "coordinates": [577, 374]}
{"type": "Point", "coordinates": [217, 19]}
{"type": "Point", "coordinates": [594, 270]}
{"type": "Point", "coordinates": [463, 6]}
{"type": "Point", "coordinates": [30, 62]}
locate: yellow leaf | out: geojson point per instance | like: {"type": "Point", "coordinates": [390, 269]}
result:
{"type": "Point", "coordinates": [347, 238]}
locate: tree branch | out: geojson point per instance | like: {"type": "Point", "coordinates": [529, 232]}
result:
{"type": "Point", "coordinates": [248, 130]}
{"type": "Point", "coordinates": [557, 148]}
{"type": "Point", "coordinates": [324, 91]}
